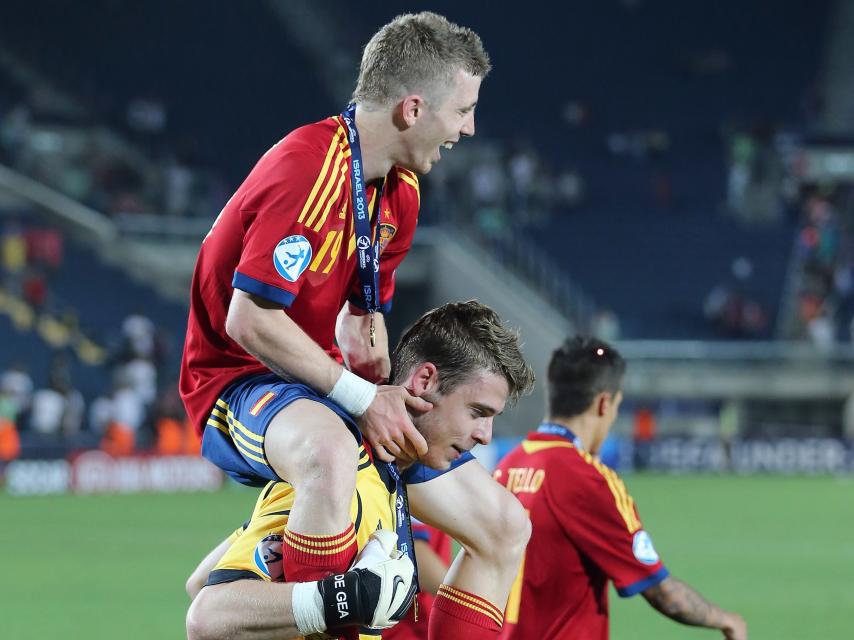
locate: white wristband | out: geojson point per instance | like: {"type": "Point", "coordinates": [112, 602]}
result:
{"type": "Point", "coordinates": [307, 607]}
{"type": "Point", "coordinates": [353, 394]}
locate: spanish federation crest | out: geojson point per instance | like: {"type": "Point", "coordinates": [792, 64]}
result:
{"type": "Point", "coordinates": [291, 257]}
{"type": "Point", "coordinates": [643, 549]}
{"type": "Point", "coordinates": [387, 231]}
{"type": "Point", "coordinates": [268, 557]}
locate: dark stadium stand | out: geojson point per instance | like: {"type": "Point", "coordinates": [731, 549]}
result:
{"type": "Point", "coordinates": [675, 262]}
{"type": "Point", "coordinates": [646, 67]}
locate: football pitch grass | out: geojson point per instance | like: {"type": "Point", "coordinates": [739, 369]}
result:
{"type": "Point", "coordinates": [778, 550]}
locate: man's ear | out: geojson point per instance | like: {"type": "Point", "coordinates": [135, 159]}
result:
{"type": "Point", "coordinates": [603, 402]}
{"type": "Point", "coordinates": [411, 108]}
{"type": "Point", "coordinates": [423, 379]}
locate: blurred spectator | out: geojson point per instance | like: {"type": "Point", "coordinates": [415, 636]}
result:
{"type": "Point", "coordinates": [34, 288]}
{"type": "Point", "coordinates": [139, 337]}
{"type": "Point", "coordinates": [569, 189]}
{"type": "Point", "coordinates": [147, 114]}
{"type": "Point", "coordinates": [606, 325]}
{"type": "Point", "coordinates": [58, 409]}
{"type": "Point", "coordinates": [731, 307]}
{"type": "Point", "coordinates": [17, 386]}
{"type": "Point", "coordinates": [15, 129]}
{"type": "Point", "coordinates": [140, 376]}
{"type": "Point", "coordinates": [178, 179]}
{"type": "Point", "coordinates": [821, 330]}
{"type": "Point", "coordinates": [100, 414]}
{"type": "Point", "coordinates": [576, 113]}
{"type": "Point", "coordinates": [175, 435]}
{"type": "Point", "coordinates": [644, 431]}
{"type": "Point", "coordinates": [755, 174]}
{"type": "Point", "coordinates": [848, 418]}
{"type": "Point", "coordinates": [44, 247]}
{"type": "Point", "coordinates": [10, 442]}
{"type": "Point", "coordinates": [128, 408]}
{"type": "Point", "coordinates": [14, 250]}
{"type": "Point", "coordinates": [522, 167]}
{"type": "Point", "coordinates": [826, 268]}
{"type": "Point", "coordinates": [48, 410]}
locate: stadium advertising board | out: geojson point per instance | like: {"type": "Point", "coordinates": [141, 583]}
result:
{"type": "Point", "coordinates": [97, 472]}
{"type": "Point", "coordinates": [782, 456]}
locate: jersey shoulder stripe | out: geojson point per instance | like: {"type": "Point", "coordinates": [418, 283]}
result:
{"type": "Point", "coordinates": [411, 179]}
{"type": "Point", "coordinates": [622, 500]}
{"type": "Point", "coordinates": [330, 166]}
{"type": "Point", "coordinates": [332, 190]}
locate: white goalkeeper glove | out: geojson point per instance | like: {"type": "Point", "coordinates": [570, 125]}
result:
{"type": "Point", "coordinates": [376, 592]}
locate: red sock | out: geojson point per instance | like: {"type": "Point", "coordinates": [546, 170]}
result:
{"type": "Point", "coordinates": [307, 558]}
{"type": "Point", "coordinates": [459, 614]}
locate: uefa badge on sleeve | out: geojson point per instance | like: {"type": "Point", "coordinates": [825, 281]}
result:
{"type": "Point", "coordinates": [291, 257]}
{"type": "Point", "coordinates": [643, 549]}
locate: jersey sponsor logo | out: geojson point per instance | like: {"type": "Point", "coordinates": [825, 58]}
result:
{"type": "Point", "coordinates": [643, 549]}
{"type": "Point", "coordinates": [291, 257]}
{"type": "Point", "coordinates": [268, 557]}
{"type": "Point", "coordinates": [387, 232]}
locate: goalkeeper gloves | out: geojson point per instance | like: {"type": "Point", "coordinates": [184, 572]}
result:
{"type": "Point", "coordinates": [376, 592]}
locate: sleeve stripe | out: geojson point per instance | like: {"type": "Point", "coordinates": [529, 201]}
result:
{"type": "Point", "coordinates": [643, 585]}
{"type": "Point", "coordinates": [356, 299]}
{"type": "Point", "coordinates": [336, 143]}
{"type": "Point", "coordinates": [258, 288]}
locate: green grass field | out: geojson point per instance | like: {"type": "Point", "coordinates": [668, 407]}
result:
{"type": "Point", "coordinates": [778, 550]}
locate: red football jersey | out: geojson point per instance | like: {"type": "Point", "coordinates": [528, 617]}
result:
{"type": "Point", "coordinates": [287, 235]}
{"type": "Point", "coordinates": [586, 531]}
{"type": "Point", "coordinates": [408, 629]}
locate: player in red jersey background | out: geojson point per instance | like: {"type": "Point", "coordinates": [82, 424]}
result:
{"type": "Point", "coordinates": [586, 527]}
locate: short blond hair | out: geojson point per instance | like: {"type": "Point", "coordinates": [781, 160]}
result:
{"type": "Point", "coordinates": [417, 53]}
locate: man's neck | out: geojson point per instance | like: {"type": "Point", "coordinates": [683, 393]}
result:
{"type": "Point", "coordinates": [581, 427]}
{"type": "Point", "coordinates": [376, 136]}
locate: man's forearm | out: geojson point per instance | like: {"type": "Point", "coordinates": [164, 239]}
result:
{"type": "Point", "coordinates": [243, 610]}
{"type": "Point", "coordinates": [268, 334]}
{"type": "Point", "coordinates": [352, 330]}
{"type": "Point", "coordinates": [678, 601]}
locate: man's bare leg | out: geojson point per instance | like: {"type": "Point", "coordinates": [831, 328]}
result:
{"type": "Point", "coordinates": [309, 445]}
{"type": "Point", "coordinates": [492, 528]}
